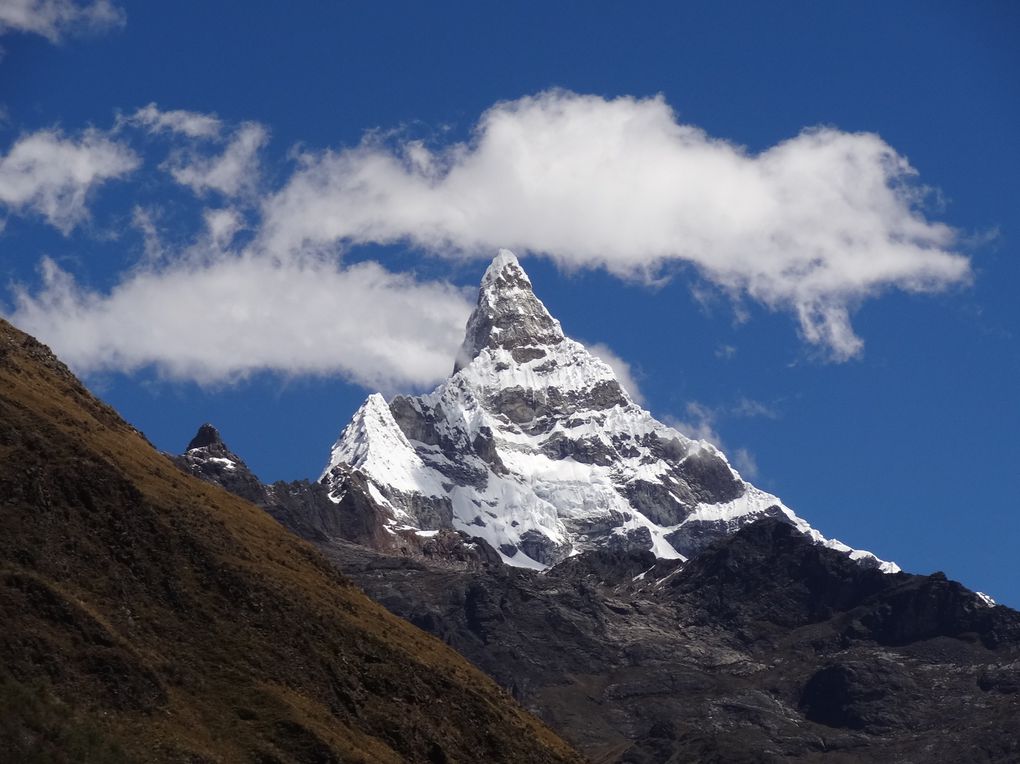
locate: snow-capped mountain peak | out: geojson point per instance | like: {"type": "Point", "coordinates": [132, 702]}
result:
{"type": "Point", "coordinates": [508, 314]}
{"type": "Point", "coordinates": [533, 446]}
{"type": "Point", "coordinates": [375, 444]}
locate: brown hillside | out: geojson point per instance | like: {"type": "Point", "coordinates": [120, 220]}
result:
{"type": "Point", "coordinates": [148, 616]}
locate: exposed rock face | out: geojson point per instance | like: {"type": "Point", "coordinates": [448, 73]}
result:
{"type": "Point", "coordinates": [533, 446]}
{"type": "Point", "coordinates": [209, 458]}
{"type": "Point", "coordinates": [207, 437]}
{"type": "Point", "coordinates": [357, 514]}
{"type": "Point", "coordinates": [764, 648]}
{"type": "Point", "coordinates": [509, 316]}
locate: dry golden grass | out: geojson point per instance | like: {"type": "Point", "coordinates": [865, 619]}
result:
{"type": "Point", "coordinates": [186, 625]}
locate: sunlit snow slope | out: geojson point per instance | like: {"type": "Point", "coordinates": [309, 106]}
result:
{"type": "Point", "coordinates": [535, 447]}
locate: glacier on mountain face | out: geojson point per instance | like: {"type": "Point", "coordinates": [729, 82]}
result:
{"type": "Point", "coordinates": [533, 445]}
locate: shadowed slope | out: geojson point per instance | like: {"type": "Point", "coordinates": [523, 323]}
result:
{"type": "Point", "coordinates": [150, 616]}
{"type": "Point", "coordinates": [764, 648]}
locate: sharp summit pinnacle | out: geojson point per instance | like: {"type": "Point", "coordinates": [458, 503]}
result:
{"type": "Point", "coordinates": [206, 436]}
{"type": "Point", "coordinates": [507, 315]}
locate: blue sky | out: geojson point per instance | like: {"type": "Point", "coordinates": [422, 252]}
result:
{"type": "Point", "coordinates": [256, 217]}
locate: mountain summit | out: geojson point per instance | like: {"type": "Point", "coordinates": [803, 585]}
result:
{"type": "Point", "coordinates": [533, 446]}
{"type": "Point", "coordinates": [206, 437]}
{"type": "Point", "coordinates": [508, 315]}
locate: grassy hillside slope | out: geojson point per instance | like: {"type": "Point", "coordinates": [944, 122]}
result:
{"type": "Point", "coordinates": [147, 615]}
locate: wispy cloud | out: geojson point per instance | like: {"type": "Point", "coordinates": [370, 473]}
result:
{"type": "Point", "coordinates": [725, 352]}
{"type": "Point", "coordinates": [51, 175]}
{"type": "Point", "coordinates": [745, 463]}
{"type": "Point", "coordinates": [748, 408]}
{"type": "Point", "coordinates": [57, 19]}
{"type": "Point", "coordinates": [813, 225]}
{"type": "Point", "coordinates": [624, 372]}
{"type": "Point", "coordinates": [235, 171]}
{"type": "Point", "coordinates": [192, 124]}
{"type": "Point", "coordinates": [698, 423]}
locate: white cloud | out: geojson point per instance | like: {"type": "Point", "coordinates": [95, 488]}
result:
{"type": "Point", "coordinates": [725, 352]}
{"type": "Point", "coordinates": [746, 464]}
{"type": "Point", "coordinates": [144, 221]}
{"type": "Point", "coordinates": [231, 315]}
{"type": "Point", "coordinates": [622, 370]}
{"type": "Point", "coordinates": [192, 124]}
{"type": "Point", "coordinates": [749, 408]}
{"type": "Point", "coordinates": [699, 424]}
{"type": "Point", "coordinates": [222, 225]}
{"type": "Point", "coordinates": [813, 225]}
{"type": "Point", "coordinates": [234, 172]}
{"type": "Point", "coordinates": [48, 174]}
{"type": "Point", "coordinates": [55, 19]}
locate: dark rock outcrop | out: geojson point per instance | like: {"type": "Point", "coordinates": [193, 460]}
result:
{"type": "Point", "coordinates": [208, 457]}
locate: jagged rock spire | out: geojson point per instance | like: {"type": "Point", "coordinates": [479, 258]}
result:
{"type": "Point", "coordinates": [209, 443]}
{"type": "Point", "coordinates": [208, 457]}
{"type": "Point", "coordinates": [508, 315]}
{"type": "Point", "coordinates": [206, 436]}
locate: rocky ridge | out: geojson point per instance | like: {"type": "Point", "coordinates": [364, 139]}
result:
{"type": "Point", "coordinates": [764, 647]}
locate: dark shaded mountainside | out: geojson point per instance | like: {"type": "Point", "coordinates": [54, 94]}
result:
{"type": "Point", "coordinates": [765, 647]}
{"type": "Point", "coordinates": [149, 616]}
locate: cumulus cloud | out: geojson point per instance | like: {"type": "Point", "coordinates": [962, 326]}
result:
{"type": "Point", "coordinates": [49, 174]}
{"type": "Point", "coordinates": [210, 309]}
{"type": "Point", "coordinates": [192, 124]}
{"type": "Point", "coordinates": [623, 371]}
{"type": "Point", "coordinates": [813, 225]}
{"type": "Point", "coordinates": [221, 318]}
{"type": "Point", "coordinates": [234, 172]}
{"type": "Point", "coordinates": [56, 19]}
